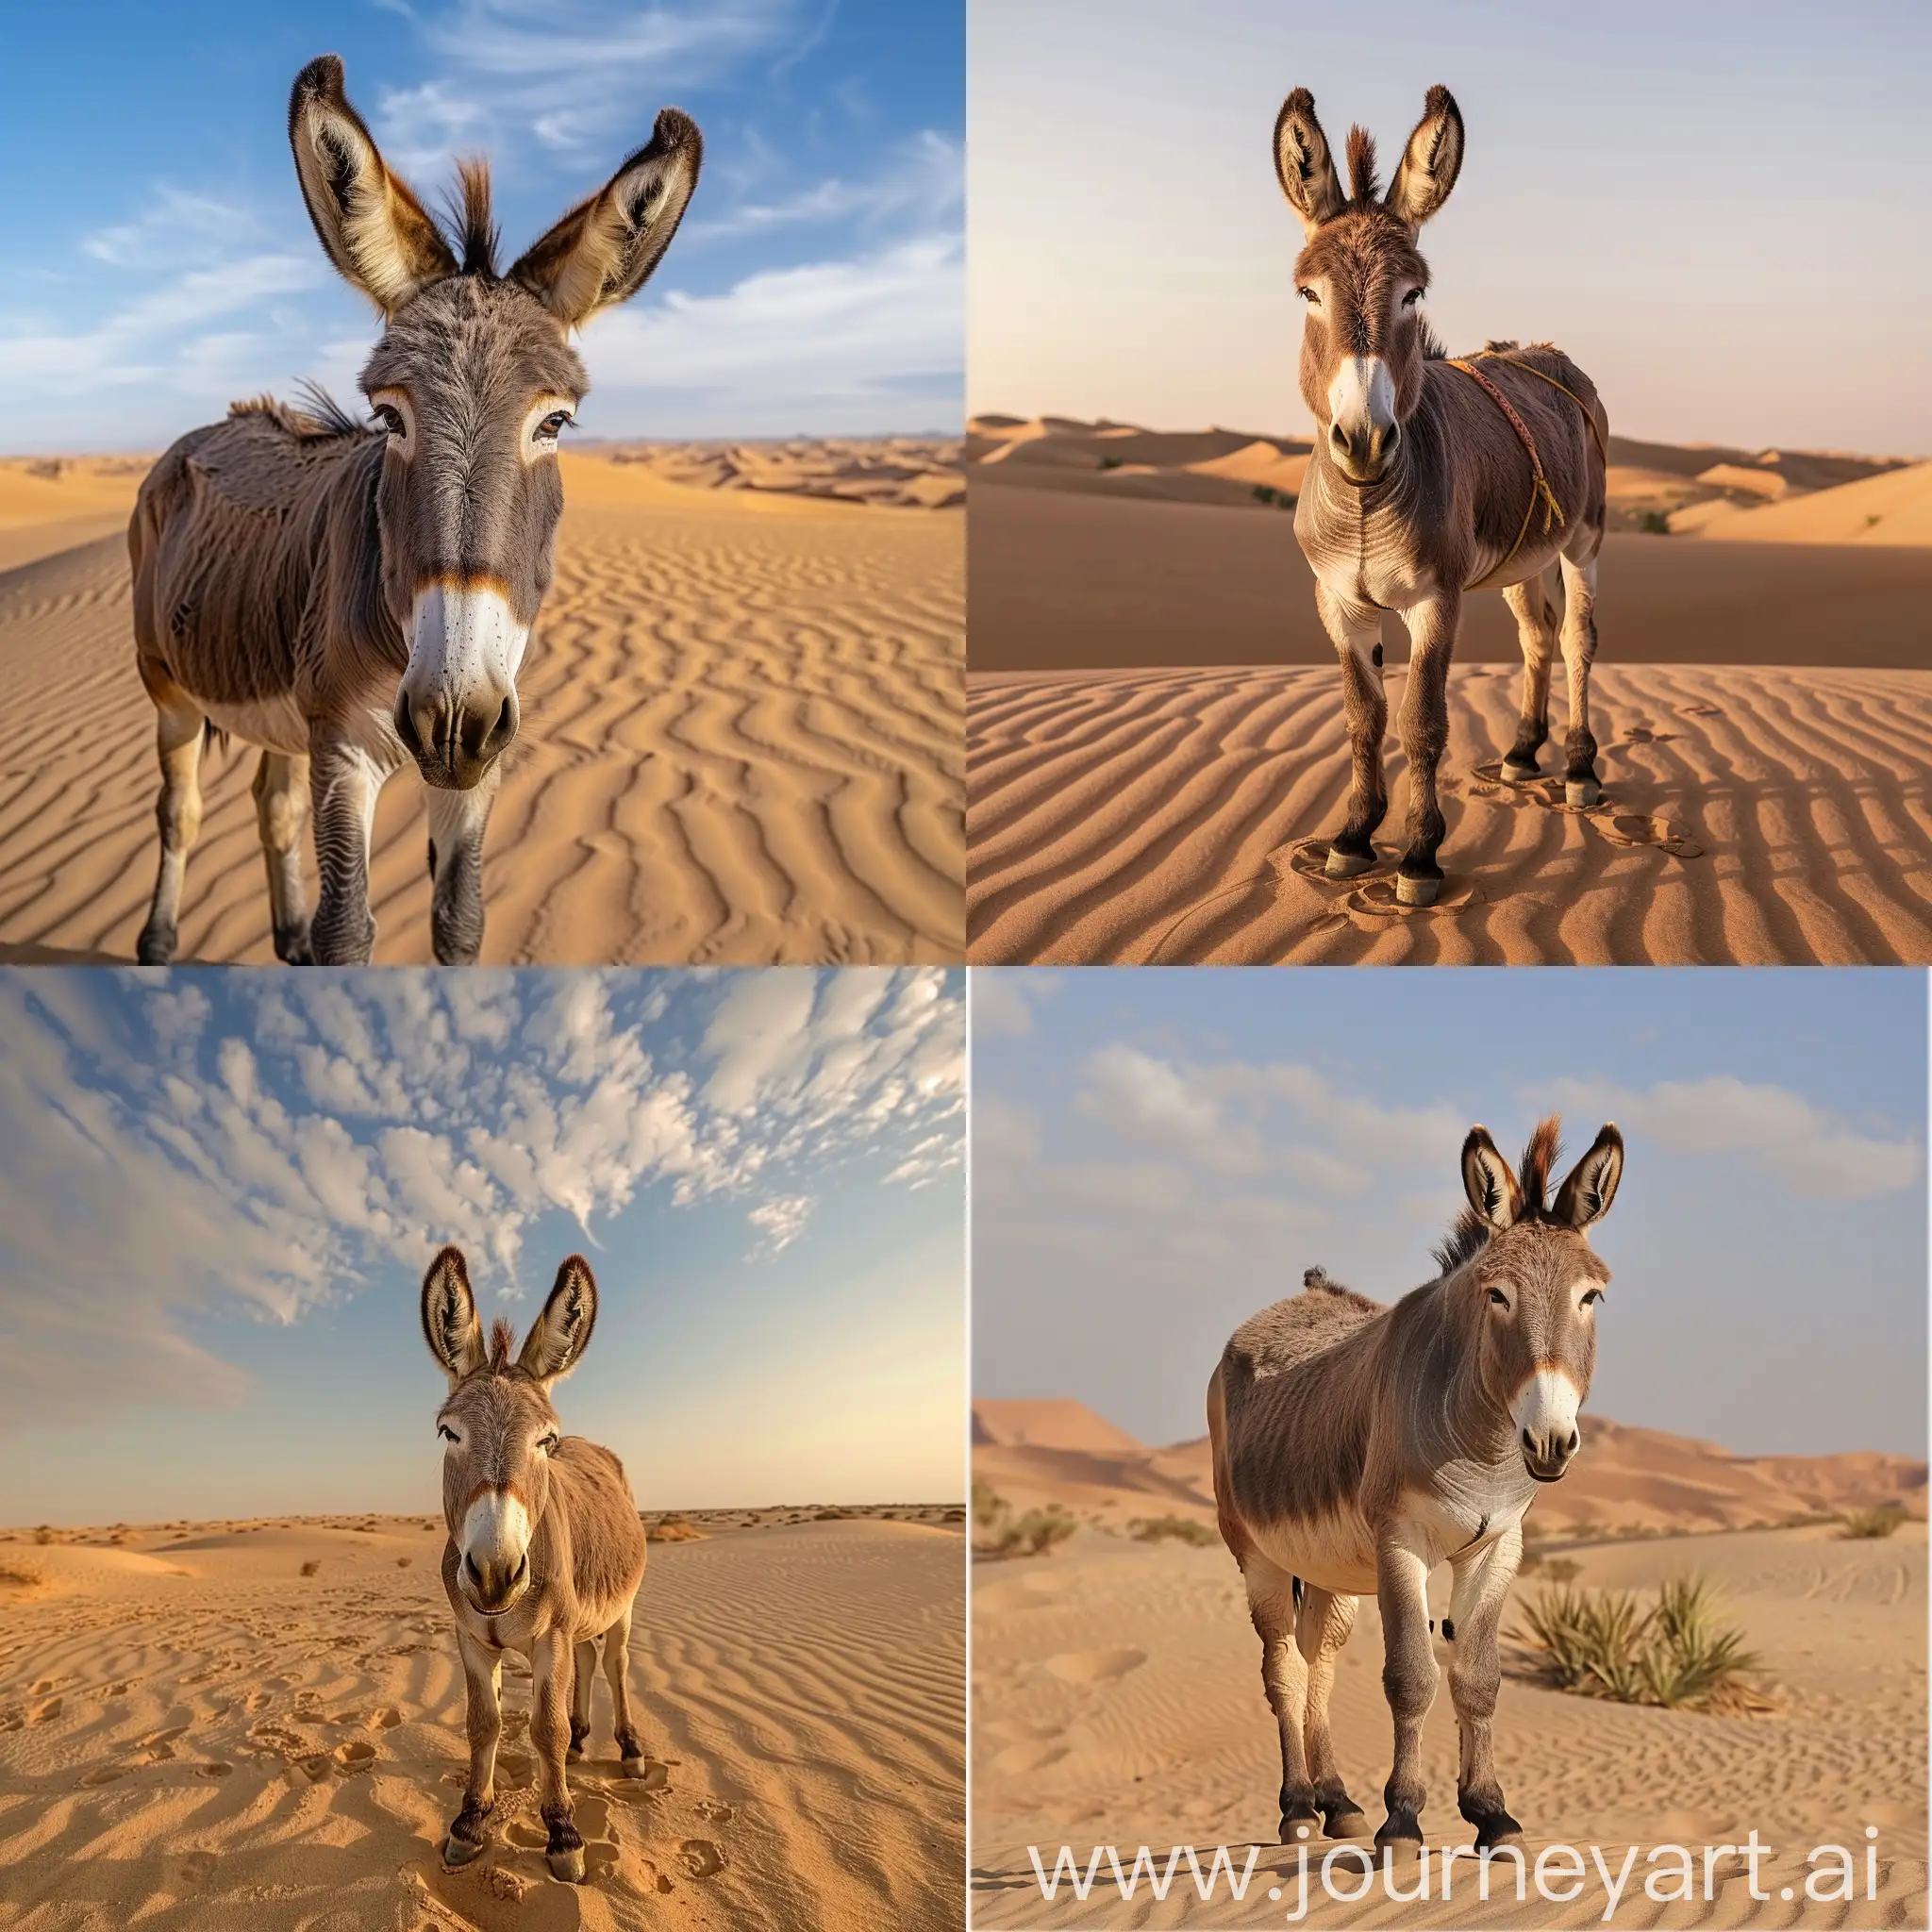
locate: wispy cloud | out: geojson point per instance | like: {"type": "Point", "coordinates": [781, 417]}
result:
{"type": "Point", "coordinates": [278, 1149]}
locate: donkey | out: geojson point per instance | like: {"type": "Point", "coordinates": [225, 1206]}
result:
{"type": "Point", "coordinates": [1429, 478]}
{"type": "Point", "coordinates": [349, 596]}
{"type": "Point", "coordinates": [1356, 1447]}
{"type": "Point", "coordinates": [546, 1550]}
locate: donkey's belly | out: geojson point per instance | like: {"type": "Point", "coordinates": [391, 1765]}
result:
{"type": "Point", "coordinates": [1335, 1552]}
{"type": "Point", "coordinates": [275, 723]}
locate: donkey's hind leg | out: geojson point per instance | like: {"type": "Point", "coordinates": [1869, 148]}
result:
{"type": "Point", "coordinates": [178, 731]}
{"type": "Point", "coordinates": [1580, 787]}
{"type": "Point", "coordinates": [1320, 1630]}
{"type": "Point", "coordinates": [1356, 631]}
{"type": "Point", "coordinates": [1272, 1597]}
{"type": "Point", "coordinates": [617, 1671]}
{"type": "Point", "coordinates": [583, 1673]}
{"type": "Point", "coordinates": [1535, 631]}
{"type": "Point", "coordinates": [281, 816]}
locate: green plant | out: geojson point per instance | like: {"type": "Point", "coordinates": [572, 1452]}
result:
{"type": "Point", "coordinates": [1282, 499]}
{"type": "Point", "coordinates": [1184, 1529]}
{"type": "Point", "coordinates": [1862, 1523]}
{"type": "Point", "coordinates": [1675, 1654]}
{"type": "Point", "coordinates": [987, 1505]}
{"type": "Point", "coordinates": [1654, 523]}
{"type": "Point", "coordinates": [1036, 1534]}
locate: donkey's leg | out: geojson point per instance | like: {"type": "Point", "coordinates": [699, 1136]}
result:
{"type": "Point", "coordinates": [343, 782]}
{"type": "Point", "coordinates": [1424, 727]}
{"type": "Point", "coordinates": [281, 816]}
{"type": "Point", "coordinates": [484, 1723]}
{"type": "Point", "coordinates": [583, 1673]}
{"type": "Point", "coordinates": [1476, 1611]}
{"type": "Point", "coordinates": [1580, 787]}
{"type": "Point", "coordinates": [1271, 1597]}
{"type": "Point", "coordinates": [1356, 630]}
{"type": "Point", "coordinates": [617, 1670]}
{"type": "Point", "coordinates": [457, 824]}
{"type": "Point", "coordinates": [179, 725]}
{"type": "Point", "coordinates": [549, 1735]}
{"type": "Point", "coordinates": [1320, 1630]}
{"type": "Point", "coordinates": [1408, 1681]}
{"type": "Point", "coordinates": [1535, 631]}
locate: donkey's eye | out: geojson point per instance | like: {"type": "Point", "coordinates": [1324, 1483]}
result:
{"type": "Point", "coordinates": [1501, 1300]}
{"type": "Point", "coordinates": [553, 425]}
{"type": "Point", "coordinates": [1410, 300]}
{"type": "Point", "coordinates": [1594, 1294]}
{"type": "Point", "coordinates": [449, 1434]}
{"type": "Point", "coordinates": [549, 1443]}
{"type": "Point", "coordinates": [1309, 295]}
{"type": "Point", "coordinates": [392, 419]}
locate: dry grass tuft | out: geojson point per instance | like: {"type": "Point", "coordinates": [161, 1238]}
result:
{"type": "Point", "coordinates": [1859, 1524]}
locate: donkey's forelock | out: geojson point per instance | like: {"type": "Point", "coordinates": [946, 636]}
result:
{"type": "Point", "coordinates": [1365, 190]}
{"type": "Point", "coordinates": [1538, 1158]}
{"type": "Point", "coordinates": [472, 226]}
{"type": "Point", "coordinates": [503, 1338]}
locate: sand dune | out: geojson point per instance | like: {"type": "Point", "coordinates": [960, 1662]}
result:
{"type": "Point", "coordinates": [910, 472]}
{"type": "Point", "coordinates": [193, 1733]}
{"type": "Point", "coordinates": [1750, 816]}
{"type": "Point", "coordinates": [740, 745]}
{"type": "Point", "coordinates": [1116, 1697]}
{"type": "Point", "coordinates": [1887, 511]}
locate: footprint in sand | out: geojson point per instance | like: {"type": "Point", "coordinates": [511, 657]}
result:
{"type": "Point", "coordinates": [190, 1873]}
{"type": "Point", "coordinates": [103, 1775]}
{"type": "Point", "coordinates": [350, 1758]}
{"type": "Point", "coordinates": [314, 1767]}
{"type": "Point", "coordinates": [387, 1719]}
{"type": "Point", "coordinates": [1094, 1666]}
{"type": "Point", "coordinates": [1650, 736]}
{"type": "Point", "coordinates": [214, 1768]}
{"type": "Point", "coordinates": [714, 1811]}
{"type": "Point", "coordinates": [700, 1857]}
{"type": "Point", "coordinates": [1617, 828]}
{"type": "Point", "coordinates": [47, 1712]}
{"type": "Point", "coordinates": [1371, 894]}
{"type": "Point", "coordinates": [653, 1781]}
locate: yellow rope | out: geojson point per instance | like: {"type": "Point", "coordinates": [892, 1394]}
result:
{"type": "Point", "coordinates": [1589, 414]}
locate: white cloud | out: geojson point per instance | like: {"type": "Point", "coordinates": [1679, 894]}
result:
{"type": "Point", "coordinates": [1003, 1000]}
{"type": "Point", "coordinates": [1816, 1152]}
{"type": "Point", "coordinates": [779, 1221]}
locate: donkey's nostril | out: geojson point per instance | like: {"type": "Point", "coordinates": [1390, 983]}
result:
{"type": "Point", "coordinates": [475, 1575]}
{"type": "Point", "coordinates": [1529, 1441]}
{"type": "Point", "coordinates": [1575, 1441]}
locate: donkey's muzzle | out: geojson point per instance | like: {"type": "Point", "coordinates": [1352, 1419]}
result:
{"type": "Point", "coordinates": [455, 739]}
{"type": "Point", "coordinates": [493, 1586]}
{"type": "Point", "coordinates": [1546, 1453]}
{"type": "Point", "coordinates": [455, 709]}
{"type": "Point", "coordinates": [1363, 451]}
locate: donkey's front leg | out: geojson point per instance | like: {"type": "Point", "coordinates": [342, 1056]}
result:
{"type": "Point", "coordinates": [484, 1722]}
{"type": "Point", "coordinates": [456, 823]}
{"type": "Point", "coordinates": [1476, 1671]}
{"type": "Point", "coordinates": [179, 726]}
{"type": "Point", "coordinates": [1580, 787]}
{"type": "Point", "coordinates": [1356, 630]}
{"type": "Point", "coordinates": [343, 782]}
{"type": "Point", "coordinates": [552, 1665]}
{"type": "Point", "coordinates": [1408, 1681]}
{"type": "Point", "coordinates": [1425, 730]}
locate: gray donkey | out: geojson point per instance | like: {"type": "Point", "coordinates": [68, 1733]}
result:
{"type": "Point", "coordinates": [349, 597]}
{"type": "Point", "coordinates": [1356, 1447]}
{"type": "Point", "coordinates": [1430, 478]}
{"type": "Point", "coordinates": [545, 1550]}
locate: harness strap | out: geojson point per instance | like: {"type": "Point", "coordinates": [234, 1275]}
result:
{"type": "Point", "coordinates": [1540, 491]}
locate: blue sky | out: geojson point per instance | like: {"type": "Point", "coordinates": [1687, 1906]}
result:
{"type": "Point", "coordinates": [1159, 1153]}
{"type": "Point", "coordinates": [156, 260]}
{"type": "Point", "coordinates": [1716, 208]}
{"type": "Point", "coordinates": [219, 1192]}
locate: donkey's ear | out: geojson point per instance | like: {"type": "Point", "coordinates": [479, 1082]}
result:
{"type": "Point", "coordinates": [449, 1316]}
{"type": "Point", "coordinates": [605, 249]}
{"type": "Point", "coordinates": [1586, 1196]}
{"type": "Point", "coordinates": [1302, 163]}
{"type": "Point", "coordinates": [1487, 1179]}
{"type": "Point", "coordinates": [374, 228]}
{"type": "Point", "coordinates": [562, 1331]}
{"type": "Point", "coordinates": [1430, 162]}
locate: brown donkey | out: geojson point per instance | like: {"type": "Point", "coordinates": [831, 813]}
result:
{"type": "Point", "coordinates": [545, 1550]}
{"type": "Point", "coordinates": [349, 597]}
{"type": "Point", "coordinates": [1430, 478]}
{"type": "Point", "coordinates": [1356, 1447]}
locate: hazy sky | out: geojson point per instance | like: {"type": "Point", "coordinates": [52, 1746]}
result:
{"type": "Point", "coordinates": [219, 1192]}
{"type": "Point", "coordinates": [1159, 1153]}
{"type": "Point", "coordinates": [1717, 209]}
{"type": "Point", "coordinates": [156, 260]}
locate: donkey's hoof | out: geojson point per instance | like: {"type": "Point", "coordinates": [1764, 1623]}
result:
{"type": "Point", "coordinates": [1579, 794]}
{"type": "Point", "coordinates": [568, 1864]}
{"type": "Point", "coordinates": [1347, 865]}
{"type": "Point", "coordinates": [291, 946]}
{"type": "Point", "coordinates": [460, 1851]}
{"type": "Point", "coordinates": [1346, 1821]}
{"type": "Point", "coordinates": [1514, 774]}
{"type": "Point", "coordinates": [1495, 1830]}
{"type": "Point", "coordinates": [1417, 891]}
{"type": "Point", "coordinates": [156, 946]}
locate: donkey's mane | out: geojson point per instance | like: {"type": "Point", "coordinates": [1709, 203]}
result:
{"type": "Point", "coordinates": [502, 1339]}
{"type": "Point", "coordinates": [318, 418]}
{"type": "Point", "coordinates": [1469, 1236]}
{"type": "Point", "coordinates": [1463, 1243]}
{"type": "Point", "coordinates": [470, 224]}
{"type": "Point", "coordinates": [1365, 191]}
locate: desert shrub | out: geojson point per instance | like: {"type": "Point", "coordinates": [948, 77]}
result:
{"type": "Point", "coordinates": [1183, 1530]}
{"type": "Point", "coordinates": [310, 1568]}
{"type": "Point", "coordinates": [1603, 1643]}
{"type": "Point", "coordinates": [1279, 499]}
{"type": "Point", "coordinates": [1111, 463]}
{"type": "Point", "coordinates": [1654, 523]}
{"type": "Point", "coordinates": [1038, 1533]}
{"type": "Point", "coordinates": [1859, 1524]}
{"type": "Point", "coordinates": [672, 1529]}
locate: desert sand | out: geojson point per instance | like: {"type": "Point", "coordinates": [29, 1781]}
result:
{"type": "Point", "coordinates": [1156, 745]}
{"type": "Point", "coordinates": [740, 740]}
{"type": "Point", "coordinates": [1117, 1695]}
{"type": "Point", "coordinates": [252, 1724]}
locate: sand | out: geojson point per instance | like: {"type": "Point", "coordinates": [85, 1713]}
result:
{"type": "Point", "coordinates": [193, 1734]}
{"type": "Point", "coordinates": [1749, 816]}
{"type": "Point", "coordinates": [1117, 1701]}
{"type": "Point", "coordinates": [740, 742]}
